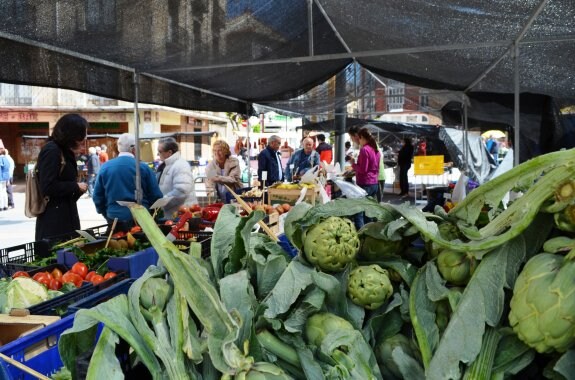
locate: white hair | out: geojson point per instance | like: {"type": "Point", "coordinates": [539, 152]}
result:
{"type": "Point", "coordinates": [126, 142]}
{"type": "Point", "coordinates": [92, 150]}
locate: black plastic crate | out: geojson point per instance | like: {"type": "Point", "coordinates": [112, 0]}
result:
{"type": "Point", "coordinates": [59, 305]}
{"type": "Point", "coordinates": [112, 291]}
{"type": "Point", "coordinates": [96, 232]}
{"type": "Point", "coordinates": [48, 268]}
{"type": "Point", "coordinates": [202, 237]}
{"type": "Point", "coordinates": [14, 259]}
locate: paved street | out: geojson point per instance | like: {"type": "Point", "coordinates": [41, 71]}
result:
{"type": "Point", "coordinates": [16, 228]}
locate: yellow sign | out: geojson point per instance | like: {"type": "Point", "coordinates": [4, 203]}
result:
{"type": "Point", "coordinates": [428, 165]}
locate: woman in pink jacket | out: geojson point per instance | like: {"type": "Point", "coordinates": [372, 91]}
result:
{"type": "Point", "coordinates": [367, 165]}
{"type": "Point", "coordinates": [366, 168]}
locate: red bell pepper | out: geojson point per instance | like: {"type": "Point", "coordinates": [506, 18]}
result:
{"type": "Point", "coordinates": [210, 213]}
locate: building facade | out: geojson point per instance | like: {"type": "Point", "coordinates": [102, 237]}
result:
{"type": "Point", "coordinates": [28, 114]}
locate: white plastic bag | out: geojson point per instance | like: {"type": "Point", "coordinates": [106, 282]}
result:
{"type": "Point", "coordinates": [459, 191]}
{"type": "Point", "coordinates": [350, 190]}
{"type": "Point", "coordinates": [310, 176]}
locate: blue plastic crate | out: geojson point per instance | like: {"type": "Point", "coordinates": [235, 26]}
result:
{"type": "Point", "coordinates": [134, 264]}
{"type": "Point", "coordinates": [287, 246]}
{"type": "Point", "coordinates": [121, 287]}
{"type": "Point", "coordinates": [38, 350]}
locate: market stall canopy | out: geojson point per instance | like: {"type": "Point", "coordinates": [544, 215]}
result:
{"type": "Point", "coordinates": [470, 156]}
{"type": "Point", "coordinates": [219, 56]}
{"type": "Point", "coordinates": [424, 130]}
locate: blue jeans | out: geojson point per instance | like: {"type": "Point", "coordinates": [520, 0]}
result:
{"type": "Point", "coordinates": [91, 182]}
{"type": "Point", "coordinates": [360, 219]}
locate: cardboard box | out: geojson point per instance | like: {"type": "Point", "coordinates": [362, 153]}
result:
{"type": "Point", "coordinates": [290, 196]}
{"type": "Point", "coordinates": [12, 328]}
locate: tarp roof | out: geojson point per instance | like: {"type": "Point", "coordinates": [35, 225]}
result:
{"type": "Point", "coordinates": [218, 55]}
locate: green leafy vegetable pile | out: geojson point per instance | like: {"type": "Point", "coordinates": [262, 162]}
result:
{"type": "Point", "coordinates": [483, 292]}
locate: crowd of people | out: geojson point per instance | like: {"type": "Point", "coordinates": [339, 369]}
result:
{"type": "Point", "coordinates": [111, 180]}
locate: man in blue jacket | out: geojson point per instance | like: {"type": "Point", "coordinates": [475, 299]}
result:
{"type": "Point", "coordinates": [116, 181]}
{"type": "Point", "coordinates": [269, 161]}
{"type": "Point", "coordinates": [302, 161]}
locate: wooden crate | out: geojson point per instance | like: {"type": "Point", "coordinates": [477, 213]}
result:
{"type": "Point", "coordinates": [272, 221]}
{"type": "Point", "coordinates": [280, 196]}
{"type": "Point", "coordinates": [12, 328]}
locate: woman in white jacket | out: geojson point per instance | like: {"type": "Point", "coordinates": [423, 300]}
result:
{"type": "Point", "coordinates": [175, 177]}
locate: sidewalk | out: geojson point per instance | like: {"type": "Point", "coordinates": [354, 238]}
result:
{"type": "Point", "coordinates": [17, 229]}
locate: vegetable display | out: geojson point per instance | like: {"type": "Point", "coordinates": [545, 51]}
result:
{"type": "Point", "coordinates": [485, 291]}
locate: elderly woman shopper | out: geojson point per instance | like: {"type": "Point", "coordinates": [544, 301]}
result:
{"type": "Point", "coordinates": [223, 170]}
{"type": "Point", "coordinates": [175, 176]}
{"type": "Point", "coordinates": [58, 177]}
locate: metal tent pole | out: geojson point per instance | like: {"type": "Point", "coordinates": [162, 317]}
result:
{"type": "Point", "coordinates": [516, 104]}
{"type": "Point", "coordinates": [138, 194]}
{"type": "Point", "coordinates": [310, 26]}
{"type": "Point", "coordinates": [249, 145]}
{"type": "Point", "coordinates": [465, 140]}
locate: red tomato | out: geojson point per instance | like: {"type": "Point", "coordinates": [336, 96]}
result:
{"type": "Point", "coordinates": [97, 279]}
{"type": "Point", "coordinates": [42, 278]}
{"type": "Point", "coordinates": [183, 209]}
{"type": "Point", "coordinates": [20, 274]}
{"type": "Point", "coordinates": [169, 222]}
{"type": "Point", "coordinates": [55, 284]}
{"type": "Point", "coordinates": [195, 208]}
{"type": "Point", "coordinates": [90, 275]}
{"type": "Point", "coordinates": [57, 274]}
{"type": "Point", "coordinates": [80, 269]}
{"type": "Point", "coordinates": [73, 278]}
{"type": "Point", "coordinates": [135, 229]}
{"type": "Point", "coordinates": [109, 275]}
{"type": "Point", "coordinates": [119, 235]}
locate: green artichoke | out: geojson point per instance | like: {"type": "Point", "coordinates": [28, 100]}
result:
{"type": "Point", "coordinates": [543, 303]}
{"type": "Point", "coordinates": [369, 286]}
{"type": "Point", "coordinates": [384, 350]}
{"type": "Point", "coordinates": [154, 296]}
{"type": "Point", "coordinates": [374, 245]}
{"type": "Point", "coordinates": [456, 267]}
{"type": "Point", "coordinates": [447, 231]}
{"type": "Point", "coordinates": [331, 244]}
{"type": "Point", "coordinates": [319, 325]}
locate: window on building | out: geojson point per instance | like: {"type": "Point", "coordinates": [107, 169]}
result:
{"type": "Point", "coordinates": [100, 14]}
{"type": "Point", "coordinates": [424, 101]}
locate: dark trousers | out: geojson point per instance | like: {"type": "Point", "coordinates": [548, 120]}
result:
{"type": "Point", "coordinates": [403, 181]}
{"type": "Point", "coordinates": [381, 190]}
{"type": "Point", "coordinates": [360, 219]}
{"type": "Point", "coordinates": [9, 192]}
{"type": "Point", "coordinates": [121, 226]}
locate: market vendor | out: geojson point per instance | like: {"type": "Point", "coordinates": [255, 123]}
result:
{"type": "Point", "coordinates": [302, 161]}
{"type": "Point", "coordinates": [223, 170]}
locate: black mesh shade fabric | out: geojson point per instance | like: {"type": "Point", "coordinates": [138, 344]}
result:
{"type": "Point", "coordinates": [189, 52]}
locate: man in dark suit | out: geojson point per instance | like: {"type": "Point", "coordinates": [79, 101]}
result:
{"type": "Point", "coordinates": [269, 161]}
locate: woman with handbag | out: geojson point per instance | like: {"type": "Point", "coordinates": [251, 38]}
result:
{"type": "Point", "coordinates": [58, 177]}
